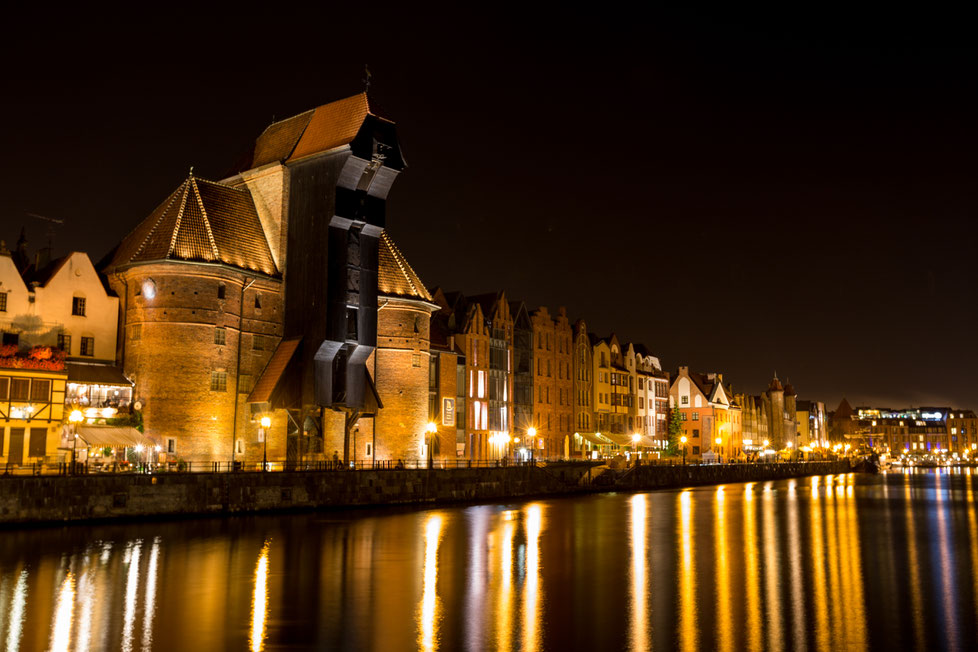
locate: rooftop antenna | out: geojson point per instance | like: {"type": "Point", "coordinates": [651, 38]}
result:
{"type": "Point", "coordinates": [366, 78]}
{"type": "Point", "coordinates": [50, 228]}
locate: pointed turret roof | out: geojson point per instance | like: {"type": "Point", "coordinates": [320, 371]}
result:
{"type": "Point", "coordinates": [395, 277]}
{"type": "Point", "coordinates": [201, 221]}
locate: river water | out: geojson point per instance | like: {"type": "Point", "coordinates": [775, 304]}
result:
{"type": "Point", "coordinates": [833, 562]}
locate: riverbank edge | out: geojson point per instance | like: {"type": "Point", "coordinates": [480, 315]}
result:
{"type": "Point", "coordinates": [28, 502]}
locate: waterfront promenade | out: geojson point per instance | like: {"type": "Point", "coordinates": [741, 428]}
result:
{"type": "Point", "coordinates": [26, 500]}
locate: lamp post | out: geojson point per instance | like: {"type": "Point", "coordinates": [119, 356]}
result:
{"type": "Point", "coordinates": [266, 423]}
{"type": "Point", "coordinates": [719, 442]}
{"type": "Point", "coordinates": [683, 441]}
{"type": "Point", "coordinates": [635, 439]}
{"type": "Point", "coordinates": [531, 433]}
{"type": "Point", "coordinates": [75, 418]}
{"type": "Point", "coordinates": [432, 429]}
{"type": "Point", "coordinates": [790, 446]}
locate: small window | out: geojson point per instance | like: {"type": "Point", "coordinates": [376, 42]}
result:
{"type": "Point", "coordinates": [219, 381]}
{"type": "Point", "coordinates": [64, 342]}
{"type": "Point", "coordinates": [222, 291]}
{"type": "Point", "coordinates": [370, 449]}
{"type": "Point", "coordinates": [257, 342]}
{"type": "Point", "coordinates": [40, 390]}
{"type": "Point", "coordinates": [684, 400]}
{"type": "Point", "coordinates": [19, 389]}
{"type": "Point", "coordinates": [78, 306]}
{"type": "Point", "coordinates": [220, 335]}
{"type": "Point", "coordinates": [3, 302]}
{"type": "Point", "coordinates": [171, 445]}
{"type": "Point", "coordinates": [137, 332]}
{"type": "Point", "coordinates": [239, 446]}
{"type": "Point", "coordinates": [351, 324]}
{"type": "Point", "coordinates": [416, 360]}
{"type": "Point", "coordinates": [4, 388]}
{"type": "Point", "coordinates": [87, 346]}
{"type": "Point", "coordinates": [257, 301]}
{"type": "Point", "coordinates": [11, 339]}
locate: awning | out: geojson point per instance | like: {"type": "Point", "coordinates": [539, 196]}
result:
{"type": "Point", "coordinates": [113, 436]}
{"type": "Point", "coordinates": [594, 438]}
{"type": "Point", "coordinates": [621, 440]}
{"type": "Point", "coordinates": [96, 374]}
{"type": "Point", "coordinates": [270, 377]}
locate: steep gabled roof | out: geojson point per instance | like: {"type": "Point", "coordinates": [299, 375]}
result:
{"type": "Point", "coordinates": [201, 221]}
{"type": "Point", "coordinates": [395, 276]}
{"type": "Point", "coordinates": [319, 130]}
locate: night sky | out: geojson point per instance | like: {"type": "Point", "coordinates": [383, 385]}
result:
{"type": "Point", "coordinates": [741, 196]}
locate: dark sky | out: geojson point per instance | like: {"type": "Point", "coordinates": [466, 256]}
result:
{"type": "Point", "coordinates": [794, 194]}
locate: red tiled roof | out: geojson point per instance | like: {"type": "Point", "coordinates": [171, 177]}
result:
{"type": "Point", "coordinates": [201, 221]}
{"type": "Point", "coordinates": [395, 276]}
{"type": "Point", "coordinates": [263, 389]}
{"type": "Point", "coordinates": [332, 125]}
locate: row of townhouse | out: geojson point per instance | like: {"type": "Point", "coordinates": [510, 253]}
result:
{"type": "Point", "coordinates": [907, 431]}
{"type": "Point", "coordinates": [528, 383]}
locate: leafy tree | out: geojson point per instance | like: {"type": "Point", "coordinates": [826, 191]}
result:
{"type": "Point", "coordinates": [675, 432]}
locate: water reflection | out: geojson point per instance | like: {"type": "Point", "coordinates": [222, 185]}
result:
{"type": "Point", "coordinates": [63, 612]}
{"type": "Point", "coordinates": [429, 600]}
{"type": "Point", "coordinates": [259, 601]}
{"type": "Point", "coordinates": [639, 615]}
{"type": "Point", "coordinates": [841, 562]}
{"type": "Point", "coordinates": [688, 627]}
{"type": "Point", "coordinates": [531, 587]}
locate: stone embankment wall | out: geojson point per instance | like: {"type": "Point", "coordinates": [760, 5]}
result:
{"type": "Point", "coordinates": [25, 500]}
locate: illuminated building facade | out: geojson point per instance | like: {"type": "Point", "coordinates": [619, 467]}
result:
{"type": "Point", "coordinates": [708, 413]}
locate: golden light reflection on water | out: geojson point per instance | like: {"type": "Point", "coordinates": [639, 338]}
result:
{"type": "Point", "coordinates": [832, 548]}
{"type": "Point", "coordinates": [132, 586]}
{"type": "Point", "coordinates": [772, 571]}
{"type": "Point", "coordinates": [149, 601]}
{"type": "Point", "coordinates": [916, 603]}
{"type": "Point", "coordinates": [688, 627]}
{"type": "Point", "coordinates": [531, 588]}
{"type": "Point", "coordinates": [259, 601]}
{"type": "Point", "coordinates": [63, 615]}
{"type": "Point", "coordinates": [855, 611]}
{"type": "Point", "coordinates": [640, 615]}
{"type": "Point", "coordinates": [753, 606]}
{"type": "Point", "coordinates": [428, 611]}
{"type": "Point", "coordinates": [15, 624]}
{"type": "Point", "coordinates": [818, 569]}
{"type": "Point", "coordinates": [724, 625]}
{"type": "Point", "coordinates": [795, 566]}
{"type": "Point", "coordinates": [947, 579]}
{"type": "Point", "coordinates": [504, 605]}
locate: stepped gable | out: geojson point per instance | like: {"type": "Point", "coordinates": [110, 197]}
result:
{"type": "Point", "coordinates": [395, 277]}
{"type": "Point", "coordinates": [201, 221]}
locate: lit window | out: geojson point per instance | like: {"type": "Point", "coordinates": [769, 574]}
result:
{"type": "Point", "coordinates": [257, 342]}
{"type": "Point", "coordinates": [220, 336]}
{"type": "Point", "coordinates": [87, 346]}
{"type": "Point", "coordinates": [219, 381]}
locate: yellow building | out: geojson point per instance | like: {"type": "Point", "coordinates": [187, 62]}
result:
{"type": "Point", "coordinates": [31, 407]}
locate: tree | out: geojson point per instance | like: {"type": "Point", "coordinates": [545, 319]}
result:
{"type": "Point", "coordinates": [675, 432]}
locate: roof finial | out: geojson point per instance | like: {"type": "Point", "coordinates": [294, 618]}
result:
{"type": "Point", "coordinates": [366, 78]}
{"type": "Point", "coordinates": [191, 170]}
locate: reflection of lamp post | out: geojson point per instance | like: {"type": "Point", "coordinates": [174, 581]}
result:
{"type": "Point", "coordinates": [531, 433]}
{"type": "Point", "coordinates": [266, 423]}
{"type": "Point", "coordinates": [432, 429]}
{"type": "Point", "coordinates": [75, 418]}
{"type": "Point", "coordinates": [683, 441]}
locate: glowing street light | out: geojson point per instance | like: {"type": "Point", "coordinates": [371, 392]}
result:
{"type": "Point", "coordinates": [719, 442]}
{"type": "Point", "coordinates": [531, 435]}
{"type": "Point", "coordinates": [683, 441]}
{"type": "Point", "coordinates": [431, 430]}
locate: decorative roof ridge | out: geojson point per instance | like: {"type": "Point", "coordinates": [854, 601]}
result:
{"type": "Point", "coordinates": [179, 220]}
{"type": "Point", "coordinates": [207, 222]}
{"type": "Point", "coordinates": [402, 263]}
{"type": "Point", "coordinates": [243, 190]}
{"type": "Point", "coordinates": [149, 235]}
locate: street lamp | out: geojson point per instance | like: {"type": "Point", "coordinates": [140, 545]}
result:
{"type": "Point", "coordinates": [531, 434]}
{"type": "Point", "coordinates": [719, 442]}
{"type": "Point", "coordinates": [635, 439]}
{"type": "Point", "coordinates": [432, 429]}
{"type": "Point", "coordinates": [683, 441]}
{"type": "Point", "coordinates": [75, 418]}
{"type": "Point", "coordinates": [266, 423]}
